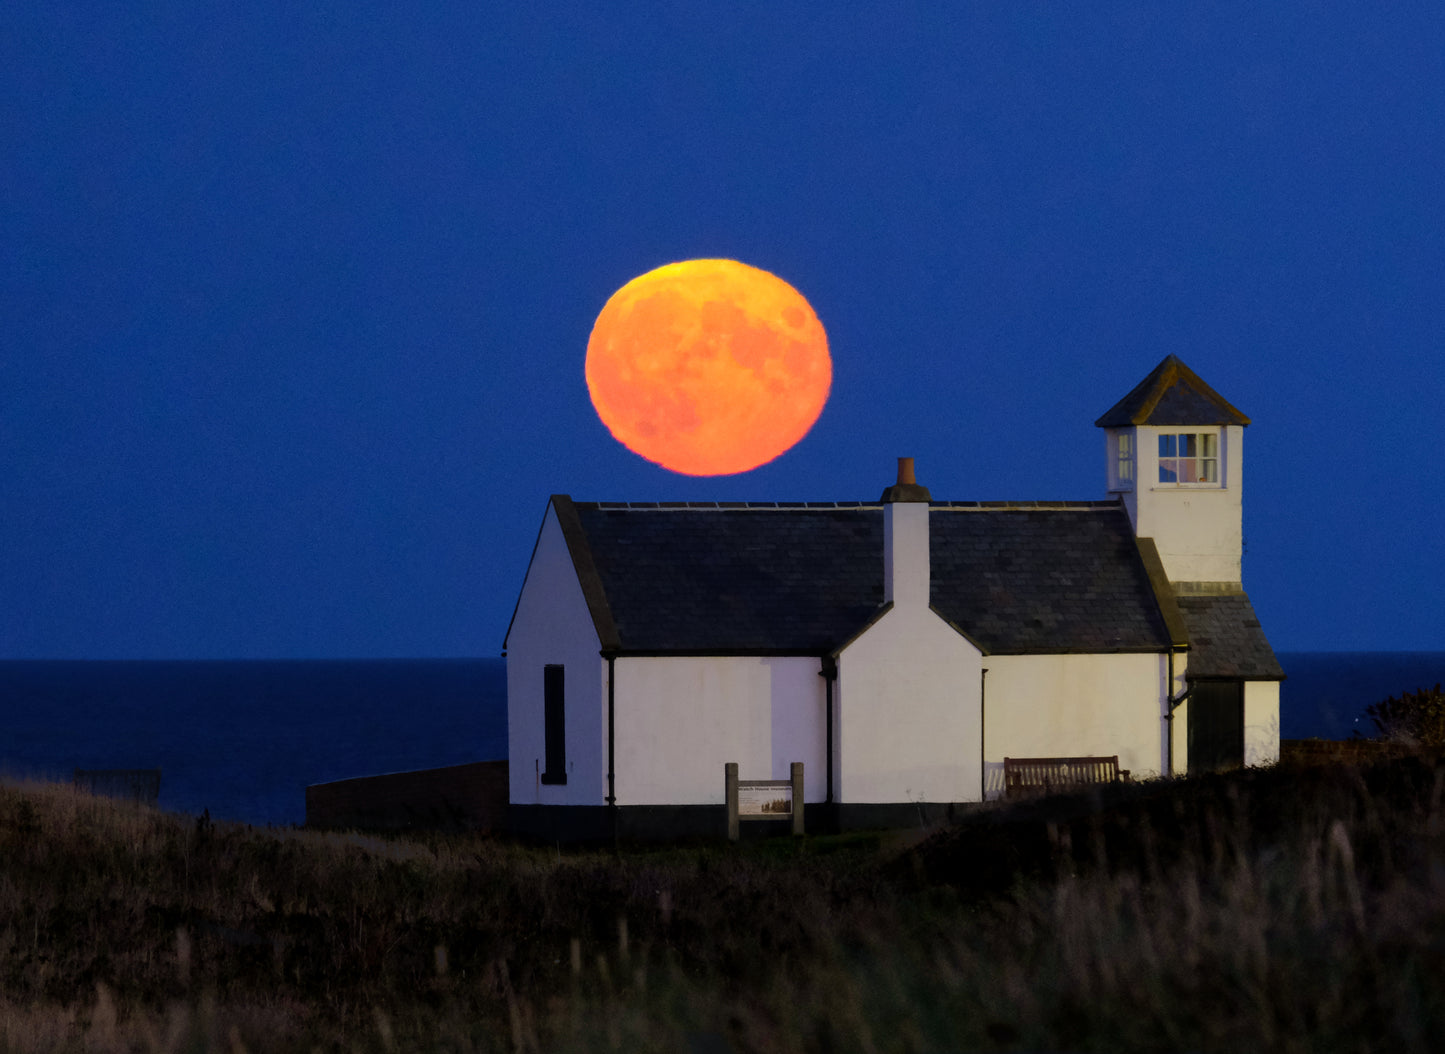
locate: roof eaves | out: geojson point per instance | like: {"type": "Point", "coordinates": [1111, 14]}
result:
{"type": "Point", "coordinates": [587, 576]}
{"type": "Point", "coordinates": [883, 609]}
{"type": "Point", "coordinates": [1235, 676]}
{"type": "Point", "coordinates": [1047, 649]}
{"type": "Point", "coordinates": [960, 630]}
{"type": "Point", "coordinates": [1091, 505]}
{"type": "Point", "coordinates": [678, 653]}
{"type": "Point", "coordinates": [1163, 592]}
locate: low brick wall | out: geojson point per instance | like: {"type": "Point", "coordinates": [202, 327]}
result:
{"type": "Point", "coordinates": [456, 798]}
{"type": "Point", "coordinates": [1335, 751]}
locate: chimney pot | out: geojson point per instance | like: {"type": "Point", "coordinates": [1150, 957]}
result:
{"type": "Point", "coordinates": [907, 488]}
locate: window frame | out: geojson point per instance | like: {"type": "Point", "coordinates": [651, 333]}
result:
{"type": "Point", "coordinates": [1207, 439]}
{"type": "Point", "coordinates": [1123, 461]}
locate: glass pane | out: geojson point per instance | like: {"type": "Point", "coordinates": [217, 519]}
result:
{"type": "Point", "coordinates": [1167, 470]}
{"type": "Point", "coordinates": [1188, 470]}
{"type": "Point", "coordinates": [1209, 445]}
{"type": "Point", "coordinates": [1189, 445]}
{"type": "Point", "coordinates": [1209, 470]}
{"type": "Point", "coordinates": [1167, 445]}
{"type": "Point", "coordinates": [1126, 445]}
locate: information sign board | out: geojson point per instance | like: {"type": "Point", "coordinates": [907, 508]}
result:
{"type": "Point", "coordinates": [765, 799]}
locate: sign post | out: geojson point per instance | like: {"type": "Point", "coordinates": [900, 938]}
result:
{"type": "Point", "coordinates": [763, 799]}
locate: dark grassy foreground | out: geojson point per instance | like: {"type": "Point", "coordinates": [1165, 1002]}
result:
{"type": "Point", "coordinates": [1293, 910]}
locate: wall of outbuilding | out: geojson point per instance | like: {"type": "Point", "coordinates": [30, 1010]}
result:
{"type": "Point", "coordinates": [681, 719]}
{"type": "Point", "coordinates": [552, 625]}
{"type": "Point", "coordinates": [1261, 722]}
{"type": "Point", "coordinates": [908, 712]}
{"type": "Point", "coordinates": [1075, 706]}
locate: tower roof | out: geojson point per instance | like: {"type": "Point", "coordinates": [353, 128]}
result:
{"type": "Point", "coordinates": [1172, 394]}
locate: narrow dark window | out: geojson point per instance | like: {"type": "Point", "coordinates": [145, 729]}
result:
{"type": "Point", "coordinates": [554, 696]}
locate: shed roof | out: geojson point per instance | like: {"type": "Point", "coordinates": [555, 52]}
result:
{"type": "Point", "coordinates": [803, 578]}
{"type": "Point", "coordinates": [1226, 639]}
{"type": "Point", "coordinates": [1172, 394]}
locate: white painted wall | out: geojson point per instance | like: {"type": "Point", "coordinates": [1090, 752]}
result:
{"type": "Point", "coordinates": [1199, 530]}
{"type": "Point", "coordinates": [552, 625]}
{"type": "Point", "coordinates": [907, 702]}
{"type": "Point", "coordinates": [1261, 722]}
{"type": "Point", "coordinates": [1075, 706]}
{"type": "Point", "coordinates": [680, 720]}
{"type": "Point", "coordinates": [906, 567]}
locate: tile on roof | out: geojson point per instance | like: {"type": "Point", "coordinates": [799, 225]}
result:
{"type": "Point", "coordinates": [1226, 639]}
{"type": "Point", "coordinates": [1172, 394]}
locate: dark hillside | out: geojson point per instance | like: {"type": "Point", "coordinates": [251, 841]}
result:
{"type": "Point", "coordinates": [1283, 909]}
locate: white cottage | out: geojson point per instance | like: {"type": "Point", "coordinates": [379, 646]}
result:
{"type": "Point", "coordinates": [900, 649]}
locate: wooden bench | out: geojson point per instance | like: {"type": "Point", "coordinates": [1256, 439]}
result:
{"type": "Point", "coordinates": [1036, 777]}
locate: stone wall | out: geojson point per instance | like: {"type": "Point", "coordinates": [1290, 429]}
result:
{"type": "Point", "coordinates": [469, 797]}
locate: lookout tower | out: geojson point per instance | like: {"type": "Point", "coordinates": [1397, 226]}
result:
{"type": "Point", "coordinates": [1175, 450]}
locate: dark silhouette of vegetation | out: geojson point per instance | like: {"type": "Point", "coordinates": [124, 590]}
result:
{"type": "Point", "coordinates": [1415, 718]}
{"type": "Point", "coordinates": [1271, 909]}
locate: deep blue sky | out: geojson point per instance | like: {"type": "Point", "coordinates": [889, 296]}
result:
{"type": "Point", "coordinates": [294, 298]}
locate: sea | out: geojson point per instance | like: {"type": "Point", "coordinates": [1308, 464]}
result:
{"type": "Point", "coordinates": [242, 740]}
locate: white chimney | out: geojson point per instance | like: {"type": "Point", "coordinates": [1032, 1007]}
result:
{"type": "Point", "coordinates": [906, 562]}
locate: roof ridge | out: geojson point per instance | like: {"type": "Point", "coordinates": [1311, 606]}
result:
{"type": "Point", "coordinates": [803, 506]}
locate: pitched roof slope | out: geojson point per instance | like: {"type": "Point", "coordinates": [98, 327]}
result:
{"type": "Point", "coordinates": [1226, 640]}
{"type": "Point", "coordinates": [1172, 394]}
{"type": "Point", "coordinates": [690, 579]}
{"type": "Point", "coordinates": [1045, 581]}
{"type": "Point", "coordinates": [759, 579]}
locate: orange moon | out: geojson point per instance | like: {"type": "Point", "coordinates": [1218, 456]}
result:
{"type": "Point", "coordinates": [708, 367]}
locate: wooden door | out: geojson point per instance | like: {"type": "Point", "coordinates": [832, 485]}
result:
{"type": "Point", "coordinates": [1216, 726]}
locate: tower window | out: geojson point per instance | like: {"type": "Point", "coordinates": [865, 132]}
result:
{"type": "Point", "coordinates": [1189, 457]}
{"type": "Point", "coordinates": [1124, 461]}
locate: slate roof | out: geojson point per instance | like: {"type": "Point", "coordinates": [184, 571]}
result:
{"type": "Point", "coordinates": [696, 579]}
{"type": "Point", "coordinates": [803, 579]}
{"type": "Point", "coordinates": [1029, 581]}
{"type": "Point", "coordinates": [1226, 640]}
{"type": "Point", "coordinates": [1172, 394]}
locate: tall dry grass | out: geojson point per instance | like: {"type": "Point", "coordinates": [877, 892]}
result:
{"type": "Point", "coordinates": [1268, 910]}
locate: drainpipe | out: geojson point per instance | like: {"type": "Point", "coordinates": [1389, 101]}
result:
{"type": "Point", "coordinates": [829, 673]}
{"type": "Point", "coordinates": [1173, 701]}
{"type": "Point", "coordinates": [611, 741]}
{"type": "Point", "coordinates": [982, 729]}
